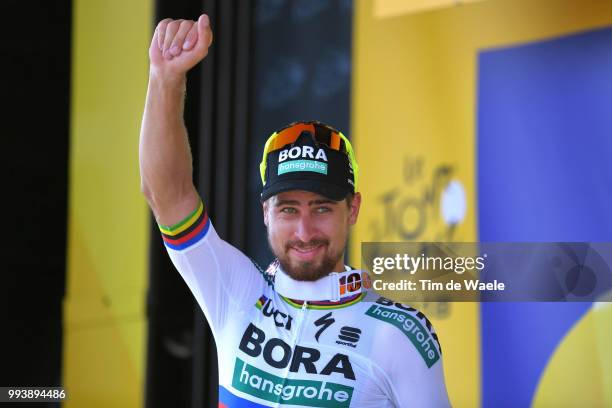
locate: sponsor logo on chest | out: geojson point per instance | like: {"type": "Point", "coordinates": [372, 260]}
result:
{"type": "Point", "coordinates": [277, 353]}
{"type": "Point", "coordinates": [261, 384]}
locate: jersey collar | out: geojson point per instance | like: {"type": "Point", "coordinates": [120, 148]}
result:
{"type": "Point", "coordinates": [332, 288]}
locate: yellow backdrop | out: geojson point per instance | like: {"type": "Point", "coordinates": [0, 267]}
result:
{"type": "Point", "coordinates": [413, 121]}
{"type": "Point", "coordinates": [104, 335]}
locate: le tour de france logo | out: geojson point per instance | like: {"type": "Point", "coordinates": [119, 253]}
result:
{"type": "Point", "coordinates": [427, 205]}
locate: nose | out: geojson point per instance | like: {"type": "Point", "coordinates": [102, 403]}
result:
{"type": "Point", "coordinates": [305, 229]}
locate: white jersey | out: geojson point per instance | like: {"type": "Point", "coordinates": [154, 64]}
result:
{"type": "Point", "coordinates": [286, 343]}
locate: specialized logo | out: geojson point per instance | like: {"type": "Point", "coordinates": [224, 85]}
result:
{"type": "Point", "coordinates": [349, 336]}
{"type": "Point", "coordinates": [267, 309]}
{"type": "Point", "coordinates": [261, 384]}
{"type": "Point", "coordinates": [279, 354]}
{"type": "Point", "coordinates": [323, 321]}
{"type": "Point", "coordinates": [412, 328]}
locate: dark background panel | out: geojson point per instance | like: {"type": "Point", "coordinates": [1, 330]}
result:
{"type": "Point", "coordinates": [171, 310]}
{"type": "Point", "coordinates": [301, 71]}
{"type": "Point", "coordinates": [272, 63]}
{"type": "Point", "coordinates": [35, 139]}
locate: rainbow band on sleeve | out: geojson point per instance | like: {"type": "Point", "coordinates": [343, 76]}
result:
{"type": "Point", "coordinates": [187, 232]}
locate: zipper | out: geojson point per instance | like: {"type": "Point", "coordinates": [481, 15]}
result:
{"type": "Point", "coordinates": [296, 335]}
{"type": "Point", "coordinates": [298, 331]}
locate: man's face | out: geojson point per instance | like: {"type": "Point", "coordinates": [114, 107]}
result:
{"type": "Point", "coordinates": [308, 232]}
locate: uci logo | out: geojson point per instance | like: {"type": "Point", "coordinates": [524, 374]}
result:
{"type": "Point", "coordinates": [280, 319]}
{"type": "Point", "coordinates": [303, 152]}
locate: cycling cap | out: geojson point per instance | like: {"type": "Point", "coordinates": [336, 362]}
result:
{"type": "Point", "coordinates": [310, 156]}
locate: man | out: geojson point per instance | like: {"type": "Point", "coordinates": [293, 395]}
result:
{"type": "Point", "coordinates": [301, 333]}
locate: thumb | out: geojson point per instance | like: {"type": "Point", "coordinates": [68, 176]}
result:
{"type": "Point", "coordinates": [154, 51]}
{"type": "Point", "coordinates": [205, 35]}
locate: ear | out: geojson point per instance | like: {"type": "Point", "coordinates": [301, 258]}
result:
{"type": "Point", "coordinates": [354, 208]}
{"type": "Point", "coordinates": [264, 207]}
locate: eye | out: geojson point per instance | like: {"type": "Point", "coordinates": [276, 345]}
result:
{"type": "Point", "coordinates": [322, 210]}
{"type": "Point", "coordinates": [288, 210]}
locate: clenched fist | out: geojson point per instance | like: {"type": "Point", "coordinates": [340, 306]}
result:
{"type": "Point", "coordinates": [178, 45]}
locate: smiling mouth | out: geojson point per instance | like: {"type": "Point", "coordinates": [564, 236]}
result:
{"type": "Point", "coordinates": [306, 252]}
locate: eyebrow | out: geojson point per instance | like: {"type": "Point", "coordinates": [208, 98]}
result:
{"type": "Point", "coordinates": [312, 202]}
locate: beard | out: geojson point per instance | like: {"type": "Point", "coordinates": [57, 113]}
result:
{"type": "Point", "coordinates": [306, 270]}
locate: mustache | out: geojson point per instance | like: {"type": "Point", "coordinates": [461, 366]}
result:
{"type": "Point", "coordinates": [306, 245]}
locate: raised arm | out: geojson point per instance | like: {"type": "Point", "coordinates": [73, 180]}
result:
{"type": "Point", "coordinates": [221, 278]}
{"type": "Point", "coordinates": [165, 156]}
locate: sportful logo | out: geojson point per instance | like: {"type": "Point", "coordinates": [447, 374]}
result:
{"type": "Point", "coordinates": [261, 384]}
{"type": "Point", "coordinates": [316, 165]}
{"type": "Point", "coordinates": [349, 336]}
{"type": "Point", "coordinates": [412, 328]}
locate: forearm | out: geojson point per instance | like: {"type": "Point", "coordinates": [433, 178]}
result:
{"type": "Point", "coordinates": [165, 156]}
